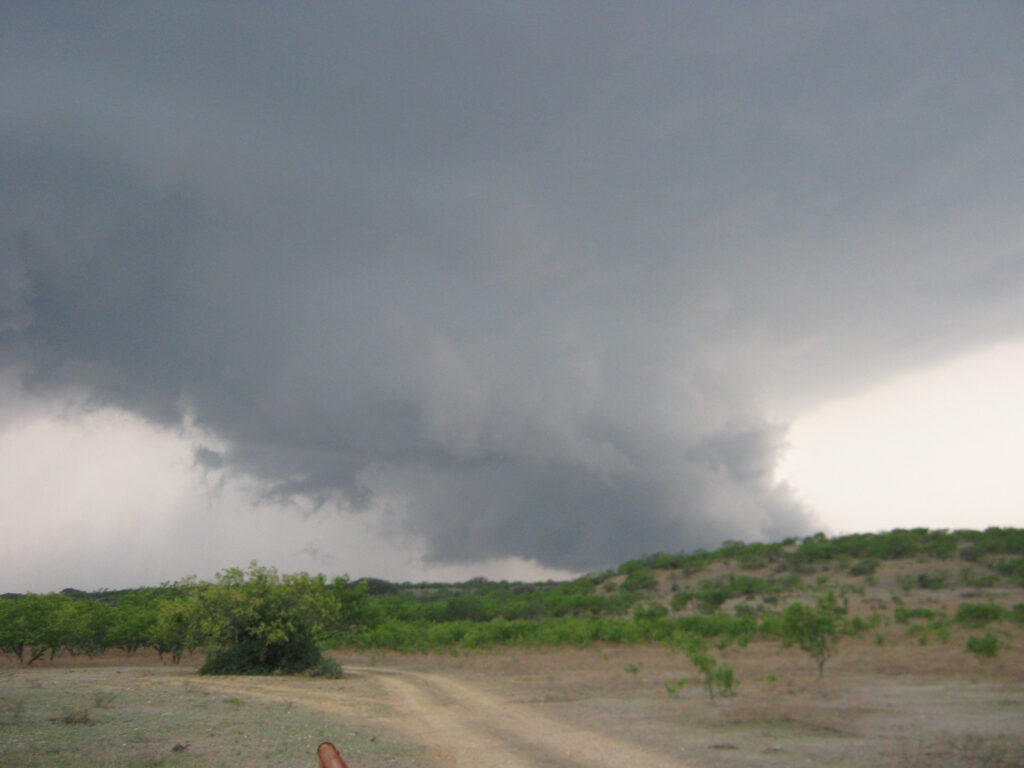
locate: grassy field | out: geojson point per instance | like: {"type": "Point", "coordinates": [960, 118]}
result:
{"type": "Point", "coordinates": [155, 715]}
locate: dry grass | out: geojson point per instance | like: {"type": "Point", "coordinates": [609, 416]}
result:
{"type": "Point", "coordinates": [160, 716]}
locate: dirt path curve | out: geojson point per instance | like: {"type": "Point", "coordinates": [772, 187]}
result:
{"type": "Point", "coordinates": [477, 728]}
{"type": "Point", "coordinates": [461, 724]}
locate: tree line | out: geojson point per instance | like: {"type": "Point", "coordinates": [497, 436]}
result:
{"type": "Point", "coordinates": [256, 620]}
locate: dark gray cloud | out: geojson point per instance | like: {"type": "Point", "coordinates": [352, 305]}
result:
{"type": "Point", "coordinates": [541, 279]}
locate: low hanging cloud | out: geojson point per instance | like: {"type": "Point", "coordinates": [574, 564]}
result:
{"type": "Point", "coordinates": [537, 284]}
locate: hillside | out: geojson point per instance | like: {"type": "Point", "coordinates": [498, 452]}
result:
{"type": "Point", "coordinates": [917, 579]}
{"type": "Point", "coordinates": [917, 584]}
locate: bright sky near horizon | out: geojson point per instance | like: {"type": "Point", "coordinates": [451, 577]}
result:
{"type": "Point", "coordinates": [934, 448]}
{"type": "Point", "coordinates": [483, 288]}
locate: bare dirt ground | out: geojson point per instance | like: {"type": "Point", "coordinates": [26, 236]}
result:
{"type": "Point", "coordinates": [900, 705]}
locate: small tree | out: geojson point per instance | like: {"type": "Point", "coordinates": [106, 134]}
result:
{"type": "Point", "coordinates": [815, 630]}
{"type": "Point", "coordinates": [715, 677]}
{"type": "Point", "coordinates": [175, 629]}
{"type": "Point", "coordinates": [258, 622]}
{"type": "Point", "coordinates": [14, 627]}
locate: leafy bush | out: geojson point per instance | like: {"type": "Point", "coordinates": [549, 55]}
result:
{"type": "Point", "coordinates": [902, 614]}
{"type": "Point", "coordinates": [328, 668]}
{"type": "Point", "coordinates": [258, 622]}
{"type": "Point", "coordinates": [640, 580]}
{"type": "Point", "coordinates": [940, 628]}
{"type": "Point", "coordinates": [682, 599]}
{"type": "Point", "coordinates": [969, 579]}
{"type": "Point", "coordinates": [934, 580]}
{"type": "Point", "coordinates": [1012, 567]}
{"type": "Point", "coordinates": [986, 645]}
{"type": "Point", "coordinates": [864, 567]}
{"type": "Point", "coordinates": [253, 655]}
{"type": "Point", "coordinates": [980, 614]}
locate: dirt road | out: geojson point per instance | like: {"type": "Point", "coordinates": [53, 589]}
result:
{"type": "Point", "coordinates": [460, 723]}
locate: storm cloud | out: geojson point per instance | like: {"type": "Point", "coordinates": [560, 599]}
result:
{"type": "Point", "coordinates": [540, 280]}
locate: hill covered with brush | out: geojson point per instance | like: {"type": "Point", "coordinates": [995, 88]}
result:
{"type": "Point", "coordinates": [901, 586]}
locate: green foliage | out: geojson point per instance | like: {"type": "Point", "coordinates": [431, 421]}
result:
{"type": "Point", "coordinates": [710, 594]}
{"type": "Point", "coordinates": [327, 668]}
{"type": "Point", "coordinates": [902, 614]}
{"type": "Point", "coordinates": [651, 612]}
{"type": "Point", "coordinates": [480, 614]}
{"type": "Point", "coordinates": [15, 627]}
{"type": "Point", "coordinates": [815, 630]}
{"type": "Point", "coordinates": [673, 687]}
{"type": "Point", "coordinates": [864, 567]}
{"type": "Point", "coordinates": [980, 614]}
{"type": "Point", "coordinates": [939, 628]}
{"type": "Point", "coordinates": [969, 579]}
{"type": "Point", "coordinates": [132, 621]}
{"type": "Point", "coordinates": [258, 622]}
{"type": "Point", "coordinates": [681, 600]}
{"type": "Point", "coordinates": [934, 580]}
{"type": "Point", "coordinates": [639, 580]}
{"type": "Point", "coordinates": [252, 655]}
{"type": "Point", "coordinates": [1012, 567]}
{"type": "Point", "coordinates": [984, 646]}
{"type": "Point", "coordinates": [716, 677]}
{"type": "Point", "coordinates": [858, 624]}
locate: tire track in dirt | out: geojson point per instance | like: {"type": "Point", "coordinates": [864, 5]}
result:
{"type": "Point", "coordinates": [460, 724]}
{"type": "Point", "coordinates": [482, 730]}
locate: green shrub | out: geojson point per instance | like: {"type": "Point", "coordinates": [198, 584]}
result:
{"type": "Point", "coordinates": [327, 668]}
{"type": "Point", "coordinates": [640, 580]}
{"type": "Point", "coordinates": [940, 628]}
{"type": "Point", "coordinates": [969, 579]}
{"type": "Point", "coordinates": [980, 614]}
{"type": "Point", "coordinates": [934, 580]}
{"type": "Point", "coordinates": [673, 687]}
{"type": "Point", "coordinates": [253, 656]}
{"type": "Point", "coordinates": [257, 622]}
{"type": "Point", "coordinates": [864, 567]}
{"type": "Point", "coordinates": [986, 645]}
{"type": "Point", "coordinates": [682, 599]}
{"type": "Point", "coordinates": [902, 614]}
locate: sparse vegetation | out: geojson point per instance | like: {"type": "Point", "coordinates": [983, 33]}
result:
{"type": "Point", "coordinates": [716, 677]}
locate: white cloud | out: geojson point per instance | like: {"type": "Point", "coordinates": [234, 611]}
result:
{"type": "Point", "coordinates": [95, 499]}
{"type": "Point", "coordinates": [937, 448]}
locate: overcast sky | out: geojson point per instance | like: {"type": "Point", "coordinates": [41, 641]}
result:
{"type": "Point", "coordinates": [432, 290]}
